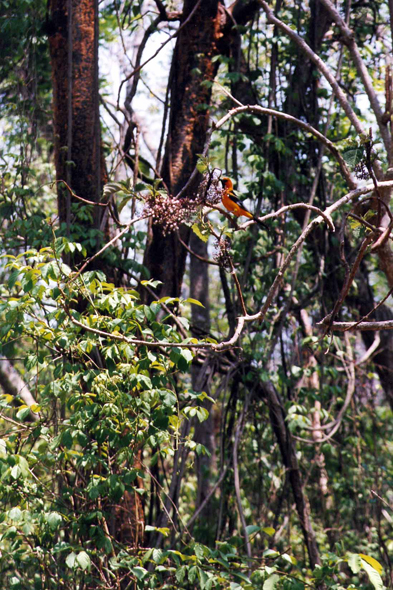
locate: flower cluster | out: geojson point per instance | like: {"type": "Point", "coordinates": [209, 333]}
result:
{"type": "Point", "coordinates": [210, 189]}
{"type": "Point", "coordinates": [222, 252]}
{"type": "Point", "coordinates": [361, 170]}
{"type": "Point", "coordinates": [168, 212]}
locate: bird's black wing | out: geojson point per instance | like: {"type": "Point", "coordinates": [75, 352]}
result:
{"type": "Point", "coordinates": [238, 202]}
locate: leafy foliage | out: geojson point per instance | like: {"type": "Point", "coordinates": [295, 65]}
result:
{"type": "Point", "coordinates": [124, 471]}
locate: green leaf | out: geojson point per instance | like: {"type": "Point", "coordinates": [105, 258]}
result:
{"type": "Point", "coordinates": [16, 471]}
{"type": "Point", "coordinates": [271, 582]}
{"type": "Point", "coordinates": [15, 513]}
{"type": "Point", "coordinates": [269, 530]}
{"type": "Point", "coordinates": [199, 551]}
{"type": "Point", "coordinates": [54, 519]}
{"type": "Point", "coordinates": [270, 553]}
{"type": "Point", "coordinates": [201, 166]}
{"type": "Point", "coordinates": [252, 528]}
{"type": "Point", "coordinates": [157, 555]}
{"type": "Point", "coordinates": [289, 558]}
{"type": "Point", "coordinates": [181, 574]}
{"type": "Point", "coordinates": [14, 274]}
{"type": "Point", "coordinates": [202, 235]}
{"type": "Point", "coordinates": [353, 156]}
{"type": "Point", "coordinates": [83, 560]}
{"type": "Point", "coordinates": [70, 560]}
{"type": "Point", "coordinates": [140, 572]}
{"type": "Point", "coordinates": [355, 563]}
{"type": "Point", "coordinates": [23, 412]}
{"type": "Point", "coordinates": [373, 575]}
{"type": "Point", "coordinates": [3, 449]}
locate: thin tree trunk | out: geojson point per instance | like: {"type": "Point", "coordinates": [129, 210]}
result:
{"type": "Point", "coordinates": [201, 375]}
{"type": "Point", "coordinates": [288, 453]}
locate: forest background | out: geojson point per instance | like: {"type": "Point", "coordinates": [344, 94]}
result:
{"type": "Point", "coordinates": [191, 400]}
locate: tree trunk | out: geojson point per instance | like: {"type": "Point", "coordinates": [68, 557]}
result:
{"type": "Point", "coordinates": [196, 45]}
{"type": "Point", "coordinates": [201, 379]}
{"type": "Point", "coordinates": [73, 43]}
{"type": "Point", "coordinates": [288, 453]}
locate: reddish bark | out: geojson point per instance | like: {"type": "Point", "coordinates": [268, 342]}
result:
{"type": "Point", "coordinates": [73, 43]}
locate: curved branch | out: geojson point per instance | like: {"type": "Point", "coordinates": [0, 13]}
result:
{"type": "Point", "coordinates": [349, 41]}
{"type": "Point", "coordinates": [282, 210]}
{"type": "Point", "coordinates": [280, 276]}
{"type": "Point", "coordinates": [136, 70]}
{"type": "Point", "coordinates": [256, 109]}
{"type": "Point", "coordinates": [201, 258]}
{"type": "Point", "coordinates": [323, 68]}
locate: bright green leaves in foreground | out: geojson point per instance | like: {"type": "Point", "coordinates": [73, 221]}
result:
{"type": "Point", "coordinates": [105, 397]}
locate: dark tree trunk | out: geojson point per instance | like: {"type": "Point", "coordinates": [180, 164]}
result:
{"type": "Point", "coordinates": [288, 453]}
{"type": "Point", "coordinates": [73, 43]}
{"type": "Point", "coordinates": [201, 381]}
{"type": "Point", "coordinates": [197, 43]}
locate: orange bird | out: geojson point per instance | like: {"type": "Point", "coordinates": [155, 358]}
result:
{"type": "Point", "coordinates": [233, 204]}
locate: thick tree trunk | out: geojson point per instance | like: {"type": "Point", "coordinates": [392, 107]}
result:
{"type": "Point", "coordinates": [196, 45]}
{"type": "Point", "coordinates": [73, 43]}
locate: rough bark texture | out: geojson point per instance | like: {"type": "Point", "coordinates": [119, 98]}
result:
{"type": "Point", "coordinates": [73, 43]}
{"type": "Point", "coordinates": [197, 43]}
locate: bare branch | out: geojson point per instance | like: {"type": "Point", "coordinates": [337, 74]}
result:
{"type": "Point", "coordinates": [370, 351]}
{"type": "Point", "coordinates": [282, 210]}
{"type": "Point", "coordinates": [280, 275]}
{"type": "Point", "coordinates": [136, 70]}
{"type": "Point", "coordinates": [364, 326]}
{"type": "Point", "coordinates": [323, 68]}
{"type": "Point", "coordinates": [256, 109]}
{"type": "Point", "coordinates": [349, 40]}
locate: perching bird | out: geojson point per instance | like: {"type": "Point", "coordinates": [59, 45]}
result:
{"type": "Point", "coordinates": [233, 204]}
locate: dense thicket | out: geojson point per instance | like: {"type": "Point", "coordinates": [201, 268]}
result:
{"type": "Point", "coordinates": [190, 399]}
